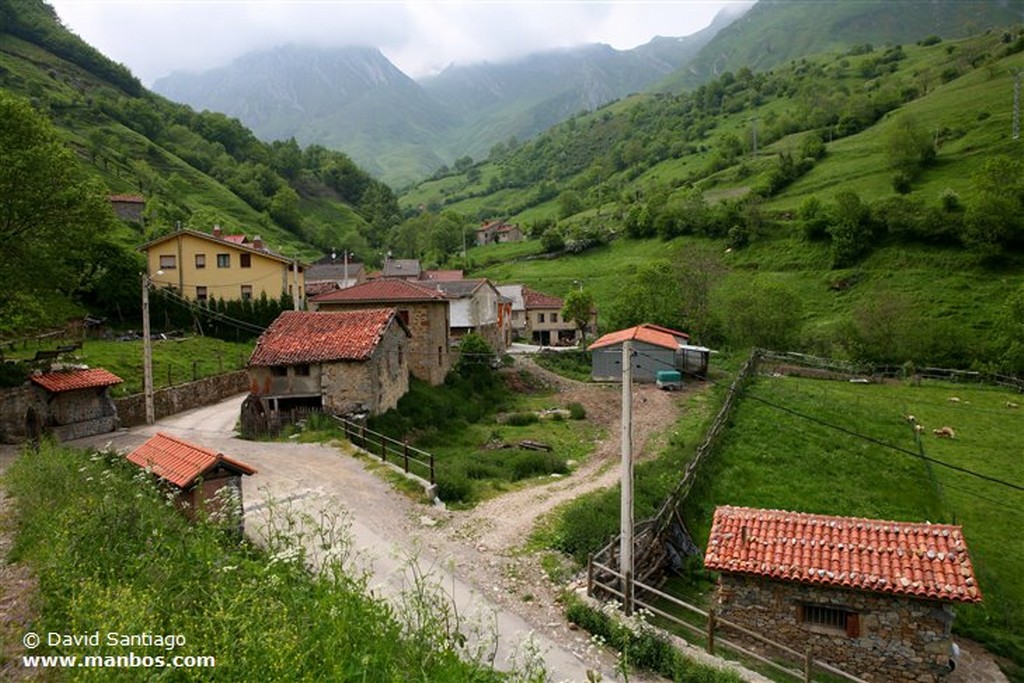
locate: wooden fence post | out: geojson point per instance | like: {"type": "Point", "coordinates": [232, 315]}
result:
{"type": "Point", "coordinates": [362, 436]}
{"type": "Point", "coordinates": [808, 661]}
{"type": "Point", "coordinates": [711, 631]}
{"type": "Point", "coordinates": [590, 575]}
{"type": "Point", "coordinates": [432, 469]}
{"type": "Point", "coordinates": [383, 448]}
{"type": "Point", "coordinates": [405, 455]}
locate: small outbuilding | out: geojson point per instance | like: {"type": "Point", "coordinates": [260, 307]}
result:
{"type": "Point", "coordinates": [72, 404]}
{"type": "Point", "coordinates": [656, 348]}
{"type": "Point", "coordinates": [199, 474]}
{"type": "Point", "coordinates": [871, 597]}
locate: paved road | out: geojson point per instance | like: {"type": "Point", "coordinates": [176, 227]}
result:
{"type": "Point", "coordinates": [389, 531]}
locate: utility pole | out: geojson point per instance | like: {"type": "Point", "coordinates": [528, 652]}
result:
{"type": "Point", "coordinates": [147, 354]}
{"type": "Point", "coordinates": [626, 506]}
{"type": "Point", "coordinates": [295, 280]}
{"type": "Point", "coordinates": [346, 267]}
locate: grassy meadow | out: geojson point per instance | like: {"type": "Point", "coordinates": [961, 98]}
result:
{"type": "Point", "coordinates": [785, 450]}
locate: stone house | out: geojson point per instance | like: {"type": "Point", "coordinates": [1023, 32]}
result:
{"type": "Point", "coordinates": [424, 311]}
{"type": "Point", "coordinates": [476, 306]}
{"type": "Point", "coordinates": [545, 324]}
{"type": "Point", "coordinates": [199, 475]}
{"type": "Point", "coordinates": [216, 265]}
{"type": "Point", "coordinates": [871, 597]}
{"type": "Point", "coordinates": [344, 362]}
{"type": "Point", "coordinates": [497, 232]}
{"type": "Point", "coordinates": [68, 404]}
{"type": "Point", "coordinates": [128, 207]}
{"type": "Point", "coordinates": [656, 348]}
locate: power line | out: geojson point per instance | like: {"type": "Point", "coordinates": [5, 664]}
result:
{"type": "Point", "coordinates": [870, 439]}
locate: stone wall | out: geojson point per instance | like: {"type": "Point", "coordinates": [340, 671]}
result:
{"type": "Point", "coordinates": [14, 406]}
{"type": "Point", "coordinates": [888, 638]}
{"type": "Point", "coordinates": [131, 410]}
{"type": "Point", "coordinates": [374, 385]}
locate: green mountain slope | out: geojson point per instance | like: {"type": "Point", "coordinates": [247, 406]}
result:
{"type": "Point", "coordinates": [884, 183]}
{"type": "Point", "coordinates": [775, 31]}
{"type": "Point", "coordinates": [193, 169]}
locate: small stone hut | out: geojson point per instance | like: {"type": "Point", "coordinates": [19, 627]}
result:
{"type": "Point", "coordinates": [871, 597]}
{"type": "Point", "coordinates": [68, 404]}
{"type": "Point", "coordinates": [198, 473]}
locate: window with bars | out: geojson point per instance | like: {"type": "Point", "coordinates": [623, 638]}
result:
{"type": "Point", "coordinates": [831, 619]}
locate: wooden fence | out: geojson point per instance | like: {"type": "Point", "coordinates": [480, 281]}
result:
{"type": "Point", "coordinates": [604, 580]}
{"type": "Point", "coordinates": [411, 460]}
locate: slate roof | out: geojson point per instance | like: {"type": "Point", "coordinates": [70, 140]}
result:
{"type": "Point", "coordinates": [457, 289]}
{"type": "Point", "coordinates": [651, 334]}
{"type": "Point", "coordinates": [402, 268]}
{"type": "Point", "coordinates": [298, 337]}
{"type": "Point", "coordinates": [72, 380]}
{"type": "Point", "coordinates": [180, 462]}
{"type": "Point", "coordinates": [535, 299]}
{"type": "Point", "coordinates": [383, 291]}
{"type": "Point", "coordinates": [901, 558]}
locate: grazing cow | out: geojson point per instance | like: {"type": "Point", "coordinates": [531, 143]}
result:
{"type": "Point", "coordinates": [954, 399]}
{"type": "Point", "coordinates": [1011, 404]}
{"type": "Point", "coordinates": [944, 433]}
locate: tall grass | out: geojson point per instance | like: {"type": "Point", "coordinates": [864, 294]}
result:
{"type": "Point", "coordinates": [112, 554]}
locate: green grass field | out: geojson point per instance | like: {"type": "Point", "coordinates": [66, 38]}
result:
{"type": "Point", "coordinates": [175, 361]}
{"type": "Point", "coordinates": [817, 446]}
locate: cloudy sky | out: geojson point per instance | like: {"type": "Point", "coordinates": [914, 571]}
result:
{"type": "Point", "coordinates": [154, 38]}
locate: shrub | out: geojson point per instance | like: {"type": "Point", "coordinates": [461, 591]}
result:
{"type": "Point", "coordinates": [454, 486]}
{"type": "Point", "coordinates": [526, 464]}
{"type": "Point", "coordinates": [577, 411]}
{"type": "Point", "coordinates": [521, 419]}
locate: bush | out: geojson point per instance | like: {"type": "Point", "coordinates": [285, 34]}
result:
{"type": "Point", "coordinates": [527, 464]}
{"type": "Point", "coordinates": [521, 419]}
{"type": "Point", "coordinates": [577, 411]}
{"type": "Point", "coordinates": [454, 486]}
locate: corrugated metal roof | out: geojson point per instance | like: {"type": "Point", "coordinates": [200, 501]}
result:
{"type": "Point", "coordinates": [651, 334]}
{"type": "Point", "coordinates": [903, 558]}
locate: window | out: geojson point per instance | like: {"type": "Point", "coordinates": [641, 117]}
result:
{"type": "Point", "coordinates": [403, 315]}
{"type": "Point", "coordinates": [168, 262]}
{"type": "Point", "coordinates": [302, 371]}
{"type": "Point", "coordinates": [540, 317]}
{"type": "Point", "coordinates": [200, 261]}
{"type": "Point", "coordinates": [245, 260]}
{"type": "Point", "coordinates": [200, 293]}
{"type": "Point", "coordinates": [223, 260]}
{"type": "Point", "coordinates": [831, 619]}
{"type": "Point", "coordinates": [246, 292]}
{"type": "Point", "coordinates": [279, 371]}
{"type": "Point", "coordinates": [554, 317]}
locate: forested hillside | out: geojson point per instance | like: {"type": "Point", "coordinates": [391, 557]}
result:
{"type": "Point", "coordinates": [194, 169]}
{"type": "Point", "coordinates": [875, 195]}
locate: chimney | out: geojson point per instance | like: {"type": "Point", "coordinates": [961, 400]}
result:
{"type": "Point", "coordinates": [217, 232]}
{"type": "Point", "coordinates": [257, 242]}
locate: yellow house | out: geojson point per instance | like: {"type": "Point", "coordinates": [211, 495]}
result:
{"type": "Point", "coordinates": [207, 266]}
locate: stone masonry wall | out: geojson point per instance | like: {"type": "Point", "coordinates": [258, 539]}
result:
{"type": "Point", "coordinates": [131, 410]}
{"type": "Point", "coordinates": [892, 638]}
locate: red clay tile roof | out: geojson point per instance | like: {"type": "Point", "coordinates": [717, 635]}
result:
{"type": "Point", "coordinates": [535, 299]}
{"type": "Point", "coordinates": [902, 558]}
{"type": "Point", "coordinates": [383, 291]}
{"type": "Point", "coordinates": [71, 380]}
{"type": "Point", "coordinates": [180, 462]}
{"type": "Point", "coordinates": [306, 337]}
{"type": "Point", "coordinates": [651, 334]}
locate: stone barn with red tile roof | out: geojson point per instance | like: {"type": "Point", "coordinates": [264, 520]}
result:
{"type": "Point", "coordinates": [868, 596]}
{"type": "Point", "coordinates": [199, 474]}
{"type": "Point", "coordinates": [67, 403]}
{"type": "Point", "coordinates": [344, 362]}
{"type": "Point", "coordinates": [425, 311]}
